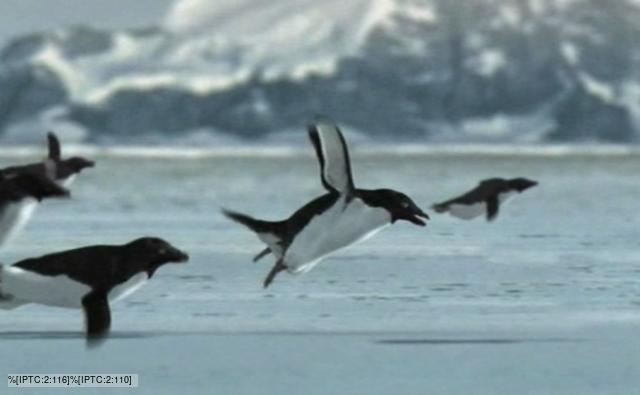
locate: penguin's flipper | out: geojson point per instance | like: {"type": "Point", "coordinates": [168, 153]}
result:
{"type": "Point", "coordinates": [98, 316]}
{"type": "Point", "coordinates": [333, 156]}
{"type": "Point", "coordinates": [33, 185]}
{"type": "Point", "coordinates": [493, 206]}
{"type": "Point", "coordinates": [55, 151]}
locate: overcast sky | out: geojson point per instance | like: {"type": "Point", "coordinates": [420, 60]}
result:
{"type": "Point", "coordinates": [22, 16]}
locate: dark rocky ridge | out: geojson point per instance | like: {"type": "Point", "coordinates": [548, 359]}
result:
{"type": "Point", "coordinates": [472, 62]}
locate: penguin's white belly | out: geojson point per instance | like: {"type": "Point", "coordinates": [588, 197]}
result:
{"type": "Point", "coordinates": [468, 211]}
{"type": "Point", "coordinates": [471, 211]}
{"type": "Point", "coordinates": [273, 242]}
{"type": "Point", "coordinates": [66, 182]}
{"type": "Point", "coordinates": [502, 197]}
{"type": "Point", "coordinates": [19, 285]}
{"type": "Point", "coordinates": [14, 217]}
{"type": "Point", "coordinates": [336, 228]}
{"type": "Point", "coordinates": [128, 287]}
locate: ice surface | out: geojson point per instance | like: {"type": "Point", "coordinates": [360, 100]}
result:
{"type": "Point", "coordinates": [543, 300]}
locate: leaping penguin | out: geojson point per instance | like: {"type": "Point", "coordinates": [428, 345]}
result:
{"type": "Point", "coordinates": [341, 217]}
{"type": "Point", "coordinates": [55, 167]}
{"type": "Point", "coordinates": [485, 199]}
{"type": "Point", "coordinates": [89, 278]}
{"type": "Point", "coordinates": [62, 171]}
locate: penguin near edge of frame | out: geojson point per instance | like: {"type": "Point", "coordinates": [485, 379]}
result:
{"type": "Point", "coordinates": [19, 195]}
{"type": "Point", "coordinates": [62, 170]}
{"type": "Point", "coordinates": [89, 278]}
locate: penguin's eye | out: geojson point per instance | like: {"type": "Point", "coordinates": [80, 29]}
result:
{"type": "Point", "coordinates": [162, 251]}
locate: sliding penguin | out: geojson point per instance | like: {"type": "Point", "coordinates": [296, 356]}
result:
{"type": "Point", "coordinates": [89, 278]}
{"type": "Point", "coordinates": [485, 199]}
{"type": "Point", "coordinates": [61, 170]}
{"type": "Point", "coordinates": [341, 217]}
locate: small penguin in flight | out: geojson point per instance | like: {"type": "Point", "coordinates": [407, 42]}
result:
{"type": "Point", "coordinates": [62, 171]}
{"type": "Point", "coordinates": [335, 220]}
{"type": "Point", "coordinates": [89, 278]}
{"type": "Point", "coordinates": [55, 167]}
{"type": "Point", "coordinates": [485, 199]}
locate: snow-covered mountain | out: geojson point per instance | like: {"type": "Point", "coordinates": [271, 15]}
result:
{"type": "Point", "coordinates": [434, 70]}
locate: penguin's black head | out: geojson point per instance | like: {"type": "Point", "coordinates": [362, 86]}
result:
{"type": "Point", "coordinates": [400, 206]}
{"type": "Point", "coordinates": [37, 186]}
{"type": "Point", "coordinates": [76, 164]}
{"type": "Point", "coordinates": [155, 252]}
{"type": "Point", "coordinates": [520, 184]}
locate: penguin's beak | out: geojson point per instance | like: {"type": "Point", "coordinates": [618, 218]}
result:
{"type": "Point", "coordinates": [416, 216]}
{"type": "Point", "coordinates": [529, 184]}
{"type": "Point", "coordinates": [178, 256]}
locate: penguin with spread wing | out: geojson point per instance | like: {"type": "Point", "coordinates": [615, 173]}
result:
{"type": "Point", "coordinates": [57, 169]}
{"type": "Point", "coordinates": [335, 220]}
{"type": "Point", "coordinates": [62, 170]}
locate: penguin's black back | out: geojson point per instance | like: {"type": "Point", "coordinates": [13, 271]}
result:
{"type": "Point", "coordinates": [23, 185]}
{"type": "Point", "coordinates": [99, 267]}
{"type": "Point", "coordinates": [33, 168]}
{"type": "Point", "coordinates": [485, 190]}
{"type": "Point", "coordinates": [62, 170]}
{"type": "Point", "coordinates": [299, 219]}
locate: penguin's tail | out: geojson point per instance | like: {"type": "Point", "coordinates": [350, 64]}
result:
{"type": "Point", "coordinates": [270, 232]}
{"type": "Point", "coordinates": [256, 225]}
{"type": "Point", "coordinates": [440, 207]}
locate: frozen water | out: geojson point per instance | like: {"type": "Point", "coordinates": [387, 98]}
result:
{"type": "Point", "coordinates": [544, 300]}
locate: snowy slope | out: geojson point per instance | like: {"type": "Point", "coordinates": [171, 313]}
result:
{"type": "Point", "coordinates": [208, 45]}
{"type": "Point", "coordinates": [282, 38]}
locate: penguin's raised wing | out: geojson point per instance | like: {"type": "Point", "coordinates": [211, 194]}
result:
{"type": "Point", "coordinates": [333, 155]}
{"type": "Point", "coordinates": [55, 151]}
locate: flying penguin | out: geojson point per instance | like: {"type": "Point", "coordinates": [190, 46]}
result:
{"type": "Point", "coordinates": [62, 171]}
{"type": "Point", "coordinates": [88, 278]}
{"type": "Point", "coordinates": [485, 199]}
{"type": "Point", "coordinates": [335, 220]}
